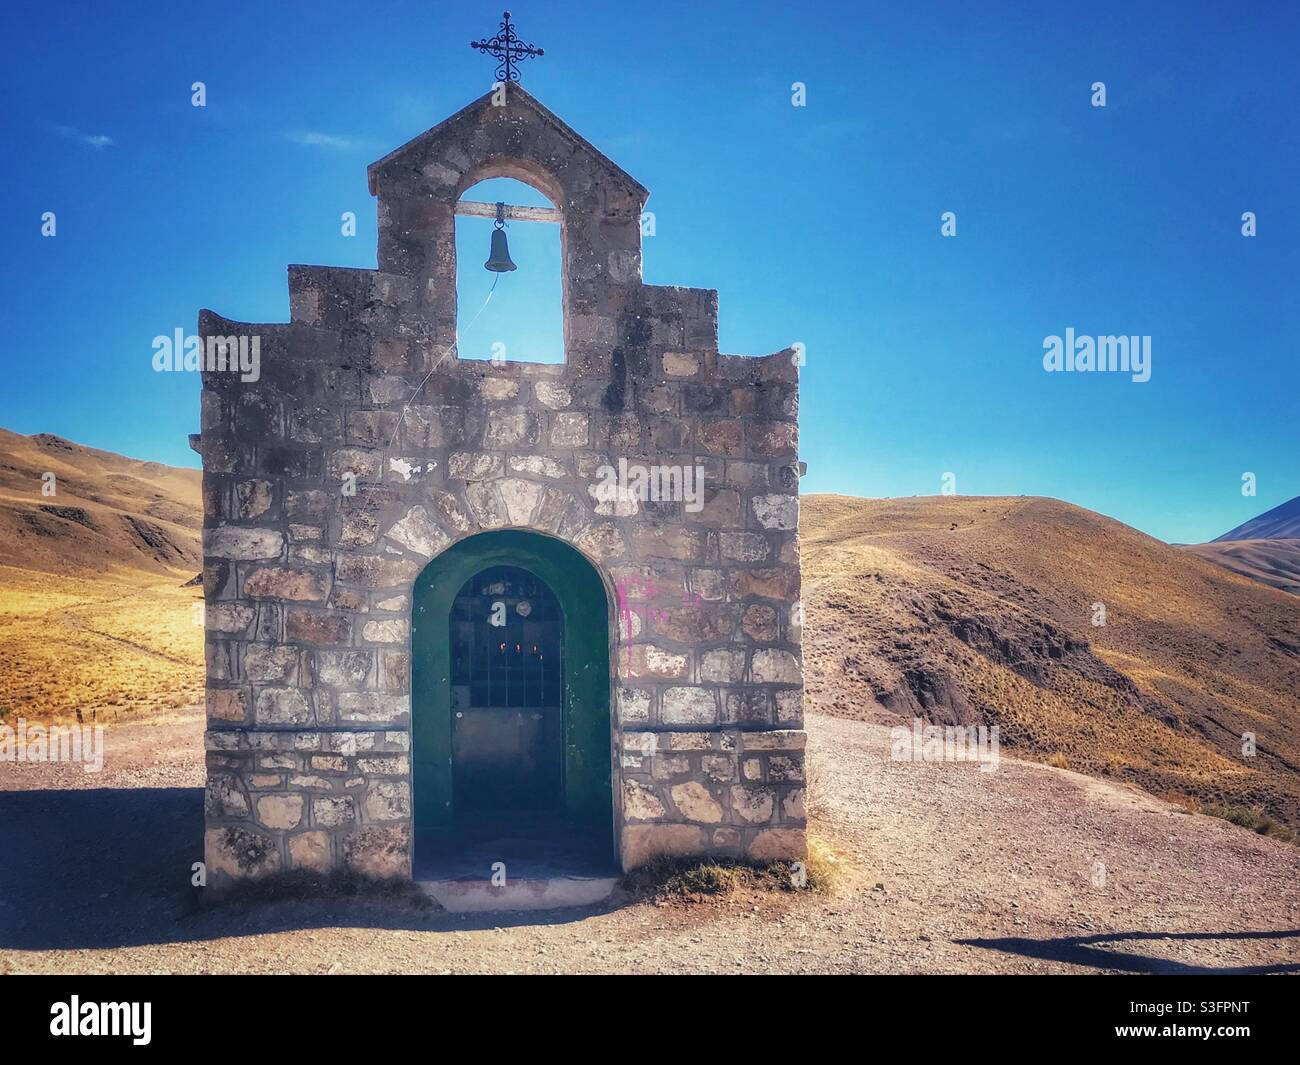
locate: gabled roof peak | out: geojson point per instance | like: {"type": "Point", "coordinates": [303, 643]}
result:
{"type": "Point", "coordinates": [516, 96]}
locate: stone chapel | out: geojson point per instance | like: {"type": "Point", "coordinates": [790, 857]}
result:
{"type": "Point", "coordinates": [432, 635]}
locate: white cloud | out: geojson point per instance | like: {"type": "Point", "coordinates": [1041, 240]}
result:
{"type": "Point", "coordinates": [315, 139]}
{"type": "Point", "coordinates": [93, 140]}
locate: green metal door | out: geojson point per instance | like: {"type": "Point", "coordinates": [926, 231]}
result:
{"type": "Point", "coordinates": [507, 693]}
{"type": "Point", "coordinates": [582, 725]}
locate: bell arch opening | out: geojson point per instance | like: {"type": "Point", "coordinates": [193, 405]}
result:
{"type": "Point", "coordinates": [510, 298]}
{"type": "Point", "coordinates": [511, 724]}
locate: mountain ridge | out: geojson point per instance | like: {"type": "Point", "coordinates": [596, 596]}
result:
{"type": "Point", "coordinates": [1265, 549]}
{"type": "Point", "coordinates": [986, 610]}
{"type": "Point", "coordinates": [103, 510]}
{"type": "Point", "coordinates": [1280, 523]}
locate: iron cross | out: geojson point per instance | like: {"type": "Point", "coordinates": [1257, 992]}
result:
{"type": "Point", "coordinates": [506, 47]}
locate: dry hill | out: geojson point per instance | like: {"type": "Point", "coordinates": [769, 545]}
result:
{"type": "Point", "coordinates": [980, 610]}
{"type": "Point", "coordinates": [1265, 549]}
{"type": "Point", "coordinates": [93, 615]}
{"type": "Point", "coordinates": [107, 512]}
{"type": "Point", "coordinates": [1272, 562]}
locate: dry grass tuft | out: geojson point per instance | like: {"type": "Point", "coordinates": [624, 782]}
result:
{"type": "Point", "coordinates": [1255, 818]}
{"type": "Point", "coordinates": [687, 877]}
{"type": "Point", "coordinates": [816, 787]}
{"type": "Point", "coordinates": [826, 866]}
{"type": "Point", "coordinates": [1177, 798]}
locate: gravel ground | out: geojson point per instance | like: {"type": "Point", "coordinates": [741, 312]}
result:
{"type": "Point", "coordinates": [944, 869]}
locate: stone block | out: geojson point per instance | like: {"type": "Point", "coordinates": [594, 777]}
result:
{"type": "Point", "coordinates": [331, 811]}
{"type": "Point", "coordinates": [310, 850]}
{"type": "Point", "coordinates": [643, 843]}
{"type": "Point", "coordinates": [282, 706]}
{"type": "Point", "coordinates": [237, 853]}
{"type": "Point", "coordinates": [282, 582]}
{"type": "Point", "coordinates": [640, 803]}
{"type": "Point", "coordinates": [779, 844]}
{"type": "Point", "coordinates": [773, 511]}
{"type": "Point", "coordinates": [317, 628]}
{"type": "Point", "coordinates": [387, 800]}
{"type": "Point", "coordinates": [688, 706]}
{"type": "Point", "coordinates": [696, 803]}
{"type": "Point", "coordinates": [753, 805]}
{"type": "Point", "coordinates": [380, 853]}
{"type": "Point", "coordinates": [227, 704]}
{"type": "Point", "coordinates": [237, 542]}
{"type": "Point", "coordinates": [279, 812]}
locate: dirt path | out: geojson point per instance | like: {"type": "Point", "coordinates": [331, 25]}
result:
{"type": "Point", "coordinates": [68, 615]}
{"type": "Point", "coordinates": [948, 870]}
{"type": "Point", "coordinates": [72, 621]}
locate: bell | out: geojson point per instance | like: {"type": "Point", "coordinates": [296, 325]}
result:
{"type": "Point", "coordinates": [499, 261]}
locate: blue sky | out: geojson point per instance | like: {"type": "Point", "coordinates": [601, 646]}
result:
{"type": "Point", "coordinates": [818, 224]}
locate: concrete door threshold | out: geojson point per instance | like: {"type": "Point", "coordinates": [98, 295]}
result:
{"type": "Point", "coordinates": [480, 895]}
{"type": "Point", "coordinates": [547, 864]}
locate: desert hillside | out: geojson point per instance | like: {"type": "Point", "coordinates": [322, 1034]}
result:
{"type": "Point", "coordinates": [94, 617]}
{"type": "Point", "coordinates": [1265, 549]}
{"type": "Point", "coordinates": [106, 512]}
{"type": "Point", "coordinates": [1272, 562]}
{"type": "Point", "coordinates": [970, 609]}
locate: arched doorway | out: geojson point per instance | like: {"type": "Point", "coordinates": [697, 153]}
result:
{"type": "Point", "coordinates": [510, 699]}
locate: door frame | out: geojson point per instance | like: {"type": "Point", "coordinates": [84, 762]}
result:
{"type": "Point", "coordinates": [588, 726]}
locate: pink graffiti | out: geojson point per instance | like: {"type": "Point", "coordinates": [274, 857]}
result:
{"type": "Point", "coordinates": [633, 594]}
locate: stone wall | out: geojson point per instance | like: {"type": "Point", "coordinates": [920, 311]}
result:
{"type": "Point", "coordinates": [366, 448]}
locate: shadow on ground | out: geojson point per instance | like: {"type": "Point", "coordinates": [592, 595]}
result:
{"type": "Point", "coordinates": [98, 868]}
{"type": "Point", "coordinates": [1090, 951]}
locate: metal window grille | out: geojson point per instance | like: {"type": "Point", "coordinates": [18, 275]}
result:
{"type": "Point", "coordinates": [515, 665]}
